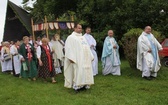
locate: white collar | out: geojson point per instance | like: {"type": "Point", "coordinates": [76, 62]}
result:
{"type": "Point", "coordinates": [77, 34]}
{"type": "Point", "coordinates": [144, 33]}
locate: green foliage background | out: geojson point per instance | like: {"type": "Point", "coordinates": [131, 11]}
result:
{"type": "Point", "coordinates": [102, 15]}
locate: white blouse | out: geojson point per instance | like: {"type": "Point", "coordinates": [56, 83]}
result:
{"type": "Point", "coordinates": [38, 51]}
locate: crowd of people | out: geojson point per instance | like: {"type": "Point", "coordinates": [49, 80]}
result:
{"type": "Point", "coordinates": [76, 58]}
{"type": "Point", "coordinates": [31, 59]}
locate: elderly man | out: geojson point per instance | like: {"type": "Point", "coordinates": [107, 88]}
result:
{"type": "Point", "coordinates": [78, 61]}
{"type": "Point", "coordinates": [110, 55]}
{"type": "Point", "coordinates": [147, 54]}
{"type": "Point", "coordinates": [92, 43]}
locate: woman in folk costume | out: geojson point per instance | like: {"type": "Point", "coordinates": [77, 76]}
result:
{"type": "Point", "coordinates": [44, 55]}
{"type": "Point", "coordinates": [16, 58]}
{"type": "Point", "coordinates": [2, 45]}
{"type": "Point", "coordinates": [29, 68]}
{"type": "Point", "coordinates": [6, 58]}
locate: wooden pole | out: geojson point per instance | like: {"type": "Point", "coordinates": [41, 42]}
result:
{"type": "Point", "coordinates": [32, 23]}
{"type": "Point", "coordinates": [59, 31]}
{"type": "Point", "coordinates": [72, 18]}
{"type": "Point", "coordinates": [57, 19]}
{"type": "Point", "coordinates": [46, 25]}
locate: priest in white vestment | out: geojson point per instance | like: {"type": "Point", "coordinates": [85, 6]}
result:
{"type": "Point", "coordinates": [110, 56]}
{"type": "Point", "coordinates": [58, 46]}
{"type": "Point", "coordinates": [60, 49]}
{"type": "Point", "coordinates": [92, 43]}
{"type": "Point", "coordinates": [16, 58]}
{"type": "Point", "coordinates": [148, 60]}
{"type": "Point", "coordinates": [78, 61]}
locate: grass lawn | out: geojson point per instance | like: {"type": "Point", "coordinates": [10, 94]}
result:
{"type": "Point", "coordinates": [128, 89]}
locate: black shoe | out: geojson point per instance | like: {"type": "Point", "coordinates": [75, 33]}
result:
{"type": "Point", "coordinates": [17, 75]}
{"type": "Point", "coordinates": [83, 88]}
{"type": "Point", "coordinates": [152, 77]}
{"type": "Point", "coordinates": [77, 91]}
{"type": "Point", "coordinates": [147, 78]}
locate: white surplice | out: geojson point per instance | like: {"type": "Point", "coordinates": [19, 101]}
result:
{"type": "Point", "coordinates": [57, 55]}
{"type": "Point", "coordinates": [145, 60]}
{"type": "Point", "coordinates": [16, 59]}
{"type": "Point", "coordinates": [80, 72]}
{"type": "Point", "coordinates": [58, 49]}
{"type": "Point", "coordinates": [91, 41]}
{"type": "Point", "coordinates": [7, 65]}
{"type": "Point", "coordinates": [110, 69]}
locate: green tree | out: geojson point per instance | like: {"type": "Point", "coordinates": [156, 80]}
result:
{"type": "Point", "coordinates": [101, 15]}
{"type": "Point", "coordinates": [50, 7]}
{"type": "Point", "coordinates": [121, 15]}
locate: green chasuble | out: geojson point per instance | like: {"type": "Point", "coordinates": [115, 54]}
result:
{"type": "Point", "coordinates": [31, 65]}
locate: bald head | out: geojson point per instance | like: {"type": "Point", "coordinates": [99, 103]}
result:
{"type": "Point", "coordinates": [148, 29]}
{"type": "Point", "coordinates": [110, 33]}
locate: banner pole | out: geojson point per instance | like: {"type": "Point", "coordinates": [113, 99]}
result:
{"type": "Point", "coordinates": [59, 31]}
{"type": "Point", "coordinates": [32, 23]}
{"type": "Point", "coordinates": [72, 18]}
{"type": "Point", "coordinates": [46, 25]}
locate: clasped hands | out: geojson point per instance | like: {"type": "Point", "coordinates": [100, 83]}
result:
{"type": "Point", "coordinates": [115, 47]}
{"type": "Point", "coordinates": [22, 60]}
{"type": "Point", "coordinates": [149, 51]}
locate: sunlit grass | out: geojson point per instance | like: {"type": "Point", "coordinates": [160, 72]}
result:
{"type": "Point", "coordinates": [128, 89]}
